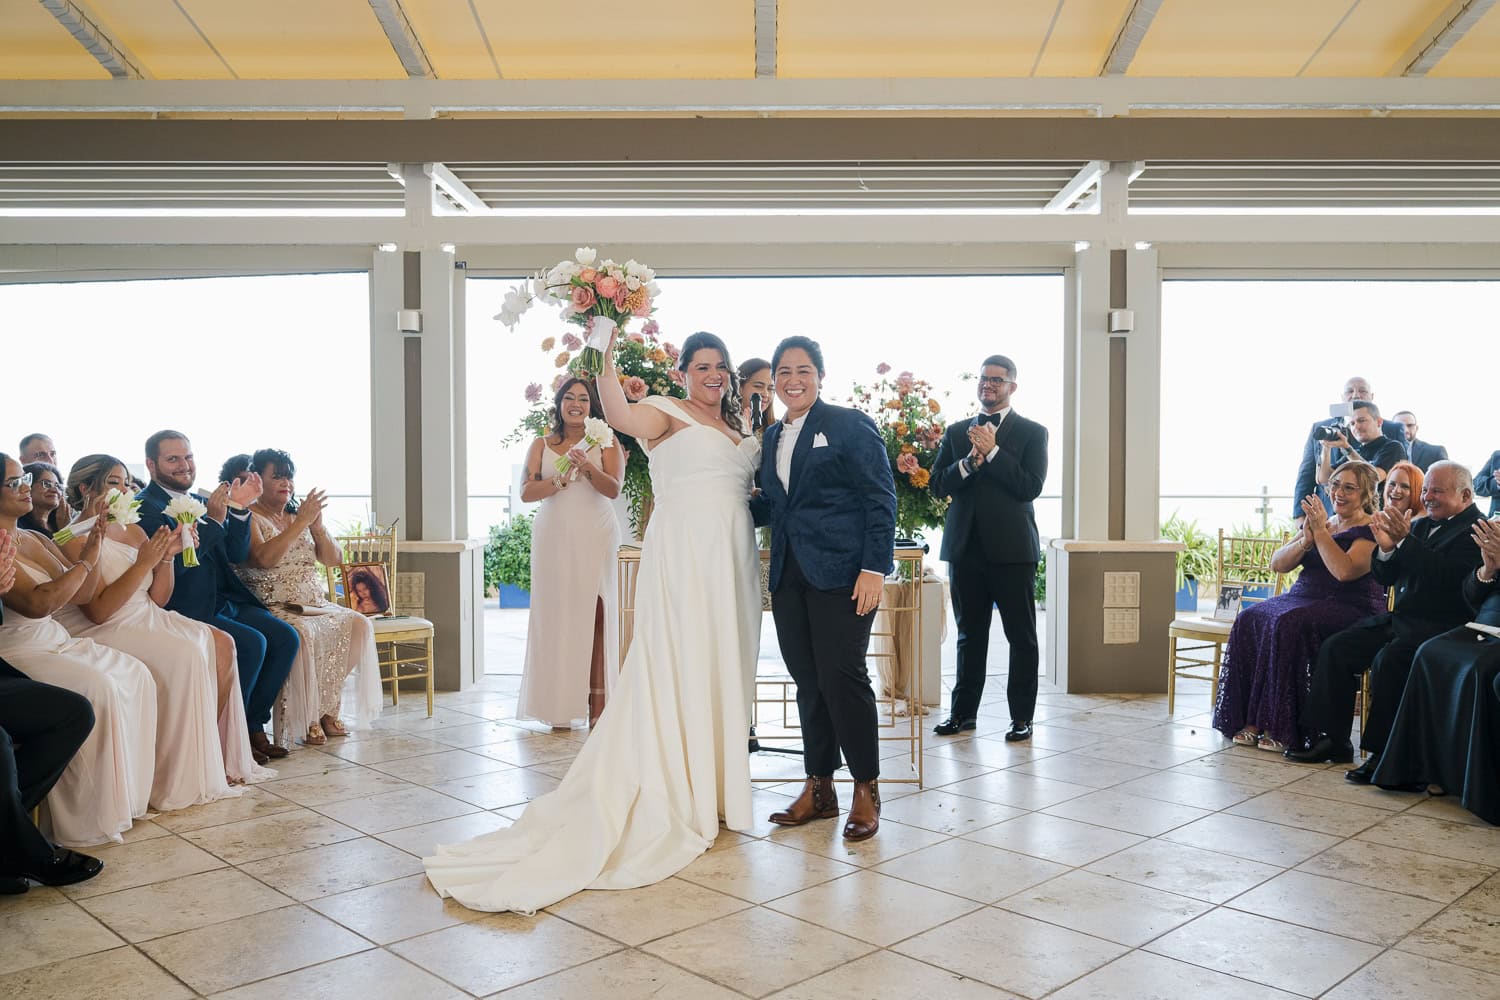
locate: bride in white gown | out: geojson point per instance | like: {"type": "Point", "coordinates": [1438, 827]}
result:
{"type": "Point", "coordinates": [668, 758]}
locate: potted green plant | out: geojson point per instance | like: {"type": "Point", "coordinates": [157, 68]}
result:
{"type": "Point", "coordinates": [1197, 562]}
{"type": "Point", "coordinates": [507, 562]}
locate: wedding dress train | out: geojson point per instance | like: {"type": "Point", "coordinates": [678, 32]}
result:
{"type": "Point", "coordinates": [668, 757]}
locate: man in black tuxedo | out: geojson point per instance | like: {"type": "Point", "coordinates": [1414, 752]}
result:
{"type": "Point", "coordinates": [1307, 482]}
{"type": "Point", "coordinates": [1422, 454]}
{"type": "Point", "coordinates": [41, 728]}
{"type": "Point", "coordinates": [1425, 562]}
{"type": "Point", "coordinates": [264, 645]}
{"type": "Point", "coordinates": [827, 490]}
{"type": "Point", "coordinates": [993, 467]}
{"type": "Point", "coordinates": [1447, 730]}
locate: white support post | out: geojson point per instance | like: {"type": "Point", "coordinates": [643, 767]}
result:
{"type": "Point", "coordinates": [1086, 397]}
{"type": "Point", "coordinates": [1143, 396]}
{"type": "Point", "coordinates": [440, 489]}
{"type": "Point", "coordinates": [387, 390]}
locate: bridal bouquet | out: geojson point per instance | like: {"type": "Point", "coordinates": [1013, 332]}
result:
{"type": "Point", "coordinates": [123, 509]}
{"type": "Point", "coordinates": [186, 511]}
{"type": "Point", "coordinates": [596, 295]}
{"type": "Point", "coordinates": [596, 433]}
{"type": "Point", "coordinates": [909, 419]}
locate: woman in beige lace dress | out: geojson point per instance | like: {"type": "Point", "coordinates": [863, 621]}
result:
{"type": "Point", "coordinates": [286, 545]}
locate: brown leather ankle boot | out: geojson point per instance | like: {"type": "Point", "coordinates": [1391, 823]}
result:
{"type": "Point", "coordinates": [864, 811]}
{"type": "Point", "coordinates": [817, 801]}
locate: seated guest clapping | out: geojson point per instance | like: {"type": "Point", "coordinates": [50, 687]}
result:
{"type": "Point", "coordinates": [1274, 643]}
{"type": "Point", "coordinates": [1447, 730]}
{"type": "Point", "coordinates": [107, 785]}
{"type": "Point", "coordinates": [41, 728]}
{"type": "Point", "coordinates": [1403, 489]}
{"type": "Point", "coordinates": [1425, 561]}
{"type": "Point", "coordinates": [49, 512]}
{"type": "Point", "coordinates": [201, 735]}
{"type": "Point", "coordinates": [287, 541]}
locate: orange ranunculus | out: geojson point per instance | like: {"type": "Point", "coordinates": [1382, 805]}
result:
{"type": "Point", "coordinates": [901, 428]}
{"type": "Point", "coordinates": [920, 478]}
{"type": "Point", "coordinates": [548, 344]}
{"type": "Point", "coordinates": [658, 355]}
{"type": "Point", "coordinates": [933, 406]}
{"type": "Point", "coordinates": [908, 449]}
{"type": "Point", "coordinates": [893, 404]}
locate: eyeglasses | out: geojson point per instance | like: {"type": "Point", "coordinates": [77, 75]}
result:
{"type": "Point", "coordinates": [995, 380]}
{"type": "Point", "coordinates": [16, 482]}
{"type": "Point", "coordinates": [1343, 489]}
{"type": "Point", "coordinates": [49, 484]}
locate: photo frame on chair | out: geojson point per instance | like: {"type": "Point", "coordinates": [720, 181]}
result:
{"type": "Point", "coordinates": [365, 588]}
{"type": "Point", "coordinates": [1227, 607]}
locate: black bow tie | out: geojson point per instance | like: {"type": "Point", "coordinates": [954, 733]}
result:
{"type": "Point", "coordinates": [989, 418]}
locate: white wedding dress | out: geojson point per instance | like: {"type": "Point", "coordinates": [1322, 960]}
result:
{"type": "Point", "coordinates": [668, 757]}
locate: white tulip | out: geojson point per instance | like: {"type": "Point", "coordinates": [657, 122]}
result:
{"type": "Point", "coordinates": [632, 282]}
{"type": "Point", "coordinates": [586, 255]}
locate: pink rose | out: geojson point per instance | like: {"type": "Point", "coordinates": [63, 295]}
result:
{"type": "Point", "coordinates": [571, 342]}
{"type": "Point", "coordinates": [673, 351]}
{"type": "Point", "coordinates": [621, 294]}
{"type": "Point", "coordinates": [882, 368]}
{"type": "Point", "coordinates": [907, 464]}
{"type": "Point", "coordinates": [635, 388]}
{"type": "Point", "coordinates": [651, 328]}
{"type": "Point", "coordinates": [608, 286]}
{"type": "Point", "coordinates": [905, 382]}
{"type": "Point", "coordinates": [677, 376]}
{"type": "Point", "coordinates": [636, 338]}
{"type": "Point", "coordinates": [643, 310]}
{"type": "Point", "coordinates": [582, 298]}
{"type": "Point", "coordinates": [587, 275]}
{"type": "Point", "coordinates": [534, 392]}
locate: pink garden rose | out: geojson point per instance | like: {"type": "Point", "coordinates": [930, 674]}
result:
{"type": "Point", "coordinates": [571, 341]}
{"type": "Point", "coordinates": [677, 376]}
{"type": "Point", "coordinates": [907, 464]}
{"type": "Point", "coordinates": [534, 392]}
{"type": "Point", "coordinates": [581, 298]}
{"type": "Point", "coordinates": [882, 368]}
{"type": "Point", "coordinates": [587, 275]}
{"type": "Point", "coordinates": [636, 338]}
{"type": "Point", "coordinates": [608, 286]}
{"type": "Point", "coordinates": [673, 351]}
{"type": "Point", "coordinates": [905, 382]}
{"type": "Point", "coordinates": [621, 294]}
{"type": "Point", "coordinates": [635, 388]}
{"type": "Point", "coordinates": [651, 328]}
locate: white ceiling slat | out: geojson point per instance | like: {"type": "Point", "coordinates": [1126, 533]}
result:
{"type": "Point", "coordinates": [765, 38]}
{"type": "Point", "coordinates": [1130, 36]}
{"type": "Point", "coordinates": [1087, 177]}
{"type": "Point", "coordinates": [1441, 35]}
{"type": "Point", "coordinates": [84, 26]}
{"type": "Point", "coordinates": [403, 38]}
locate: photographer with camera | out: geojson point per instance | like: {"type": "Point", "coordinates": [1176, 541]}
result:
{"type": "Point", "coordinates": [1355, 390]}
{"type": "Point", "coordinates": [1368, 444]}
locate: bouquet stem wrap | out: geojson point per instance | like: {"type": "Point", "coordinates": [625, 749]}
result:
{"type": "Point", "coordinates": [186, 511]}
{"type": "Point", "coordinates": [597, 342]}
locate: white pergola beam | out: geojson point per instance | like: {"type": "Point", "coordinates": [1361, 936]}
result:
{"type": "Point", "coordinates": [765, 38]}
{"type": "Point", "coordinates": [1445, 32]}
{"type": "Point", "coordinates": [423, 97]}
{"type": "Point", "coordinates": [1088, 175]}
{"type": "Point", "coordinates": [1130, 36]}
{"type": "Point", "coordinates": [403, 38]}
{"type": "Point", "coordinates": [454, 188]}
{"type": "Point", "coordinates": [84, 26]}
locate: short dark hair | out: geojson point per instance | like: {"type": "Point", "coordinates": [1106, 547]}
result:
{"type": "Point", "coordinates": [1365, 404]}
{"type": "Point", "coordinates": [279, 461]}
{"type": "Point", "coordinates": [37, 468]}
{"type": "Point", "coordinates": [234, 467]}
{"type": "Point", "coordinates": [1001, 361]}
{"type": "Point", "coordinates": [1407, 412]}
{"type": "Point", "coordinates": [795, 343]}
{"type": "Point", "coordinates": [26, 441]}
{"type": "Point", "coordinates": [153, 443]}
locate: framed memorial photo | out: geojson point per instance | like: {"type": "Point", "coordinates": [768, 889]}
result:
{"type": "Point", "coordinates": [1228, 605]}
{"type": "Point", "coordinates": [365, 588]}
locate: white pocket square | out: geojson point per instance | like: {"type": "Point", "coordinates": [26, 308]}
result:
{"type": "Point", "coordinates": [819, 441]}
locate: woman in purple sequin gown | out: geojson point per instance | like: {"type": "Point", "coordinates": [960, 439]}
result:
{"type": "Point", "coordinates": [1273, 645]}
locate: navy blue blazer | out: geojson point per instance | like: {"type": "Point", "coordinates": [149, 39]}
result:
{"type": "Point", "coordinates": [1424, 454]}
{"type": "Point", "coordinates": [1307, 472]}
{"type": "Point", "coordinates": [1487, 483]}
{"type": "Point", "coordinates": [202, 591]}
{"type": "Point", "coordinates": [840, 517]}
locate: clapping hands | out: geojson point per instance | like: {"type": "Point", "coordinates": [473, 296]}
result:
{"type": "Point", "coordinates": [7, 560]}
{"type": "Point", "coordinates": [1314, 517]}
{"type": "Point", "coordinates": [1487, 536]}
{"type": "Point", "coordinates": [1390, 527]}
{"type": "Point", "coordinates": [982, 437]}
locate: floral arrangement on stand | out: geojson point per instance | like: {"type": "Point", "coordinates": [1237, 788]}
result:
{"type": "Point", "coordinates": [909, 419]}
{"type": "Point", "coordinates": [647, 367]}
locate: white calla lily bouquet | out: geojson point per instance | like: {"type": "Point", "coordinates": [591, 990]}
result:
{"type": "Point", "coordinates": [596, 433]}
{"type": "Point", "coordinates": [186, 511]}
{"type": "Point", "coordinates": [124, 509]}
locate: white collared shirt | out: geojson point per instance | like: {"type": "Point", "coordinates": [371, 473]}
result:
{"type": "Point", "coordinates": [786, 444]}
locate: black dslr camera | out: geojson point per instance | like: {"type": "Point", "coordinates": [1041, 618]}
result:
{"type": "Point", "coordinates": [1340, 412]}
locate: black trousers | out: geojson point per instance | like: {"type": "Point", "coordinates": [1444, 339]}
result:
{"type": "Point", "coordinates": [977, 587]}
{"type": "Point", "coordinates": [1381, 645]}
{"type": "Point", "coordinates": [824, 644]}
{"type": "Point", "coordinates": [41, 728]}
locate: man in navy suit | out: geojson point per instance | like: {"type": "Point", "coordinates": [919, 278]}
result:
{"type": "Point", "coordinates": [1307, 472]}
{"type": "Point", "coordinates": [264, 645]}
{"type": "Point", "coordinates": [827, 490]}
{"type": "Point", "coordinates": [1487, 482]}
{"type": "Point", "coordinates": [1422, 454]}
{"type": "Point", "coordinates": [41, 728]}
{"type": "Point", "coordinates": [993, 467]}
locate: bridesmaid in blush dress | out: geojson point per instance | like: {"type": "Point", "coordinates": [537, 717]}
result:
{"type": "Point", "coordinates": [574, 544]}
{"type": "Point", "coordinates": [1273, 645]}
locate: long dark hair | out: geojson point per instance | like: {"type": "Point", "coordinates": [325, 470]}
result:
{"type": "Point", "coordinates": [729, 403]}
{"type": "Point", "coordinates": [556, 419]}
{"type": "Point", "coordinates": [90, 471]}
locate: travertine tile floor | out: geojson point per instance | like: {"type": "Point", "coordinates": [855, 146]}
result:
{"type": "Point", "coordinates": [1121, 853]}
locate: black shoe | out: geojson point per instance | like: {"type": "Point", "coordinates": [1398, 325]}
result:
{"type": "Point", "coordinates": [12, 886]}
{"type": "Point", "coordinates": [1019, 731]}
{"type": "Point", "coordinates": [952, 725]}
{"type": "Point", "coordinates": [1362, 774]}
{"type": "Point", "coordinates": [65, 867]}
{"type": "Point", "coordinates": [754, 743]}
{"type": "Point", "coordinates": [1324, 750]}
